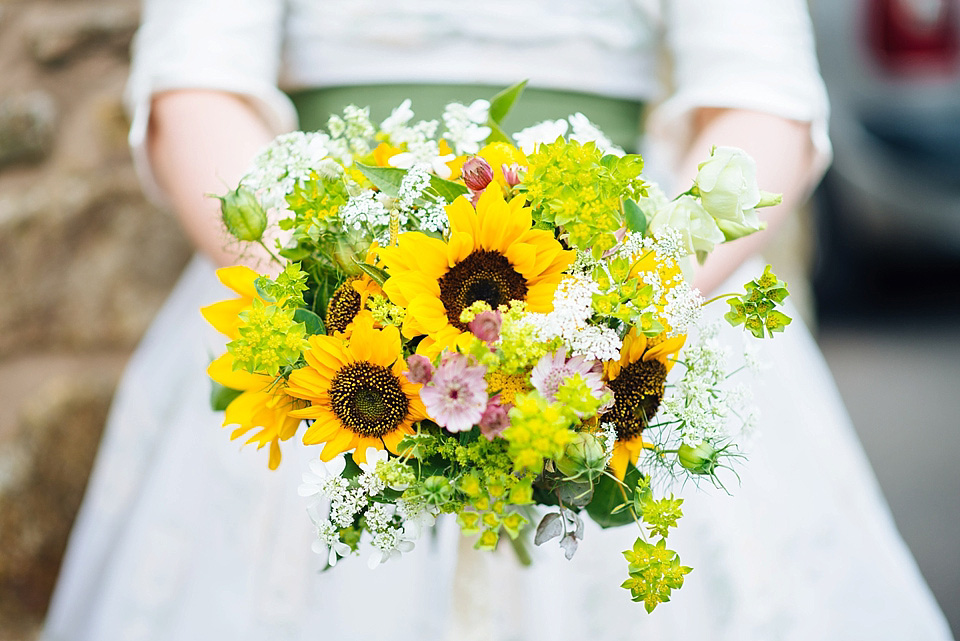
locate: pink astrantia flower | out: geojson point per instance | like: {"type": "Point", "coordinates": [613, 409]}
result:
{"type": "Point", "coordinates": [421, 369]}
{"type": "Point", "coordinates": [495, 419]}
{"type": "Point", "coordinates": [456, 396]}
{"type": "Point", "coordinates": [486, 326]}
{"type": "Point", "coordinates": [477, 173]}
{"type": "Point", "coordinates": [553, 369]}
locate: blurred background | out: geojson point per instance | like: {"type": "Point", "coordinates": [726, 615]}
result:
{"type": "Point", "coordinates": [86, 262]}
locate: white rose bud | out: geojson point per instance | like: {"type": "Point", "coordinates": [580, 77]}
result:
{"type": "Point", "coordinates": [727, 183]}
{"type": "Point", "coordinates": [697, 228]}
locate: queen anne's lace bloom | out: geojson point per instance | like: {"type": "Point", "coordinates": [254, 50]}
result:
{"type": "Point", "coordinates": [277, 169]}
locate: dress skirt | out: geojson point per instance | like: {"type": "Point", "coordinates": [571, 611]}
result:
{"type": "Point", "coordinates": [185, 536]}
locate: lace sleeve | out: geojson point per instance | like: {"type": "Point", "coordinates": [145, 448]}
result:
{"type": "Point", "coordinates": [206, 44]}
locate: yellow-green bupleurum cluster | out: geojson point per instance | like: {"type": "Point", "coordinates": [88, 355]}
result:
{"type": "Point", "coordinates": [269, 339]}
{"type": "Point", "coordinates": [579, 189]}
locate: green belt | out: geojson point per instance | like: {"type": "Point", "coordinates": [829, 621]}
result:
{"type": "Point", "coordinates": [618, 118]}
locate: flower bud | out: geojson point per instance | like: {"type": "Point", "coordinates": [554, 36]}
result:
{"type": "Point", "coordinates": [486, 326]}
{"type": "Point", "coordinates": [421, 369]}
{"type": "Point", "coordinates": [477, 173]}
{"type": "Point", "coordinates": [701, 459]}
{"type": "Point", "coordinates": [583, 456]}
{"type": "Point", "coordinates": [511, 174]}
{"type": "Point", "coordinates": [243, 215]}
{"type": "Point", "coordinates": [495, 418]}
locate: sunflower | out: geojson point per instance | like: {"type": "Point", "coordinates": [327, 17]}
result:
{"type": "Point", "coordinates": [637, 380]}
{"type": "Point", "coordinates": [493, 255]}
{"type": "Point", "coordinates": [225, 315]}
{"type": "Point", "coordinates": [348, 304]}
{"type": "Point", "coordinates": [262, 406]}
{"type": "Point", "coordinates": [358, 395]}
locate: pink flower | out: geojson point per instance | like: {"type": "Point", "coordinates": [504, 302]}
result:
{"type": "Point", "coordinates": [511, 174]}
{"type": "Point", "coordinates": [486, 326]}
{"type": "Point", "coordinates": [477, 173]}
{"type": "Point", "coordinates": [553, 369]}
{"type": "Point", "coordinates": [421, 369]}
{"type": "Point", "coordinates": [456, 397]}
{"type": "Point", "coordinates": [495, 418]}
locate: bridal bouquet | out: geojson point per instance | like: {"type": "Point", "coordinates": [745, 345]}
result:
{"type": "Point", "coordinates": [490, 327]}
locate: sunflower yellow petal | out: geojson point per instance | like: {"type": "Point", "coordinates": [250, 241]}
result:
{"type": "Point", "coordinates": [343, 441]}
{"type": "Point", "coordinates": [240, 279]}
{"type": "Point", "coordinates": [221, 370]}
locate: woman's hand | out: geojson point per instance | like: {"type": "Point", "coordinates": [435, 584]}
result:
{"type": "Point", "coordinates": [784, 156]}
{"type": "Point", "coordinates": [201, 142]}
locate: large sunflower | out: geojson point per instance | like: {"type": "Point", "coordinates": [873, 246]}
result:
{"type": "Point", "coordinates": [263, 407]}
{"type": "Point", "coordinates": [493, 255]}
{"type": "Point", "coordinates": [638, 380]}
{"type": "Point", "coordinates": [358, 395]}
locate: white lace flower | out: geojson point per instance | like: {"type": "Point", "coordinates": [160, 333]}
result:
{"type": "Point", "coordinates": [369, 480]}
{"type": "Point", "coordinates": [395, 124]}
{"type": "Point", "coordinates": [569, 321]}
{"type": "Point", "coordinates": [585, 131]}
{"type": "Point", "coordinates": [465, 126]}
{"type": "Point", "coordinates": [684, 308]}
{"type": "Point", "coordinates": [288, 159]}
{"type": "Point", "coordinates": [547, 131]}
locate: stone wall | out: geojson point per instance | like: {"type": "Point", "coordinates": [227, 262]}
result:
{"type": "Point", "coordinates": [85, 263]}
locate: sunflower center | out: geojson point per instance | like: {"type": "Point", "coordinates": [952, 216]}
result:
{"type": "Point", "coordinates": [637, 393]}
{"type": "Point", "coordinates": [483, 275]}
{"type": "Point", "coordinates": [368, 399]}
{"type": "Point", "coordinates": [344, 305]}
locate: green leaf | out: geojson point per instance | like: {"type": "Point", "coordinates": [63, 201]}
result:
{"type": "Point", "coordinates": [777, 321]}
{"type": "Point", "coordinates": [311, 321]}
{"type": "Point", "coordinates": [636, 219]}
{"type": "Point", "coordinates": [447, 189]}
{"type": "Point", "coordinates": [378, 275]}
{"type": "Point", "coordinates": [221, 396]}
{"type": "Point", "coordinates": [260, 283]}
{"type": "Point", "coordinates": [386, 179]}
{"type": "Point", "coordinates": [608, 495]}
{"type": "Point", "coordinates": [502, 103]}
{"type": "Point", "coordinates": [295, 254]}
{"type": "Point", "coordinates": [497, 134]}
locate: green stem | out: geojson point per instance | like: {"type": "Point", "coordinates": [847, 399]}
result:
{"type": "Point", "coordinates": [272, 255]}
{"type": "Point", "coordinates": [718, 297]}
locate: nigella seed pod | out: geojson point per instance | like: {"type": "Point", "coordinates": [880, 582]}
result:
{"type": "Point", "coordinates": [243, 215]}
{"type": "Point", "coordinates": [583, 456]}
{"type": "Point", "coordinates": [701, 459]}
{"type": "Point", "coordinates": [477, 173]}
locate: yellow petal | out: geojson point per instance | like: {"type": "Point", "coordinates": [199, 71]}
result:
{"type": "Point", "coordinates": [240, 279]}
{"type": "Point", "coordinates": [221, 370]}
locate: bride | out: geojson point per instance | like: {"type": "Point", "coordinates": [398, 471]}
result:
{"type": "Point", "coordinates": [182, 537]}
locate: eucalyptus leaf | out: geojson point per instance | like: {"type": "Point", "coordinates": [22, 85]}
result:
{"type": "Point", "coordinates": [569, 544]}
{"type": "Point", "coordinates": [313, 323]}
{"type": "Point", "coordinates": [502, 103]}
{"type": "Point", "coordinates": [221, 396]}
{"type": "Point", "coordinates": [636, 219]}
{"type": "Point", "coordinates": [551, 526]}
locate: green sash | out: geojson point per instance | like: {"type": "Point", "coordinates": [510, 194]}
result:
{"type": "Point", "coordinates": [618, 118]}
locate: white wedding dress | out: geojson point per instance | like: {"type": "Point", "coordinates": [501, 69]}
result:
{"type": "Point", "coordinates": [183, 536]}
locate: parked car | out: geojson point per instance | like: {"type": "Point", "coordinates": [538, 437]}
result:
{"type": "Point", "coordinates": [892, 69]}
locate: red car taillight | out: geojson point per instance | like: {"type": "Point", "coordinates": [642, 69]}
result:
{"type": "Point", "coordinates": [915, 36]}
